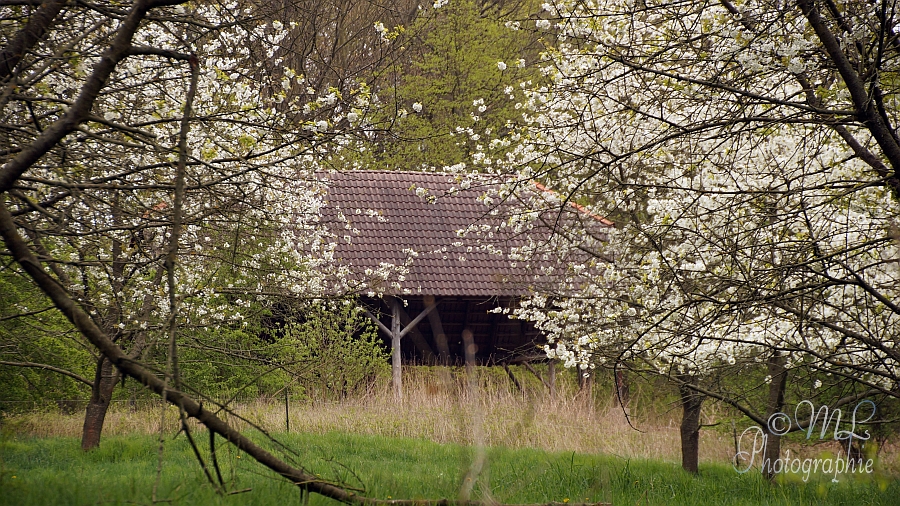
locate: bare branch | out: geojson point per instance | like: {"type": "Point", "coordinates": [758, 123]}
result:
{"type": "Point", "coordinates": [29, 35]}
{"type": "Point", "coordinates": [81, 109]}
{"type": "Point", "coordinates": [862, 100]}
{"type": "Point", "coordinates": [155, 51]}
{"type": "Point", "coordinates": [50, 368]}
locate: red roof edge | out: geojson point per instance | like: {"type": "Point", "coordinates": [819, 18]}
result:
{"type": "Point", "coordinates": [576, 205]}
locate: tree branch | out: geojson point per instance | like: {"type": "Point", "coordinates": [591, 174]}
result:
{"type": "Point", "coordinates": [862, 100]}
{"type": "Point", "coordinates": [29, 35]}
{"type": "Point", "coordinates": [81, 108]}
{"type": "Point", "coordinates": [22, 315]}
{"type": "Point", "coordinates": [155, 51]}
{"type": "Point", "coordinates": [50, 368]}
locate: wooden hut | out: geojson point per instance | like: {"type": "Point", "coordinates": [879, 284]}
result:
{"type": "Point", "coordinates": [443, 305]}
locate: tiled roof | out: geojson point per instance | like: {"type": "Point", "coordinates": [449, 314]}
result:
{"type": "Point", "coordinates": [384, 219]}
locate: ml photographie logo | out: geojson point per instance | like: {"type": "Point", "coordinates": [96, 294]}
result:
{"type": "Point", "coordinates": [751, 447]}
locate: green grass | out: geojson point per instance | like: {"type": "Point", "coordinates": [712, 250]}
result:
{"type": "Point", "coordinates": [123, 470]}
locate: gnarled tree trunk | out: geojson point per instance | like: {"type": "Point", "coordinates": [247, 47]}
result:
{"type": "Point", "coordinates": [691, 403]}
{"type": "Point", "coordinates": [778, 373]}
{"type": "Point", "coordinates": [101, 394]}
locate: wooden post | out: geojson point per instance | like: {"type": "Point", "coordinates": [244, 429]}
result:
{"type": "Point", "coordinates": [396, 334]}
{"type": "Point", "coordinates": [397, 380]}
{"type": "Point", "coordinates": [417, 338]}
{"type": "Point", "coordinates": [551, 373]}
{"type": "Point", "coordinates": [492, 335]}
{"type": "Point", "coordinates": [513, 377]}
{"type": "Point", "coordinates": [469, 346]}
{"type": "Point", "coordinates": [287, 411]}
{"type": "Point", "coordinates": [440, 338]}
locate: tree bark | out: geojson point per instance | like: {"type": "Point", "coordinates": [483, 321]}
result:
{"type": "Point", "coordinates": [778, 373]}
{"type": "Point", "coordinates": [101, 394]}
{"type": "Point", "coordinates": [864, 95]}
{"type": "Point", "coordinates": [585, 383]}
{"type": "Point", "coordinates": [28, 36]}
{"type": "Point", "coordinates": [691, 402]}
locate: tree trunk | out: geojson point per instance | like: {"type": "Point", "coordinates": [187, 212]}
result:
{"type": "Point", "coordinates": [691, 402]}
{"type": "Point", "coordinates": [101, 393]}
{"type": "Point", "coordinates": [778, 373]}
{"type": "Point", "coordinates": [585, 383]}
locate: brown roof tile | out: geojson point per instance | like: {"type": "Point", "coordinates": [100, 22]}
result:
{"type": "Point", "coordinates": [403, 221]}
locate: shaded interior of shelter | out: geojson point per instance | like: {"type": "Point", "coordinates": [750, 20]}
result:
{"type": "Point", "coordinates": [497, 338]}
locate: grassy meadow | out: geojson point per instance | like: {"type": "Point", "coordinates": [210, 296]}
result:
{"type": "Point", "coordinates": [535, 448]}
{"type": "Point", "coordinates": [123, 471]}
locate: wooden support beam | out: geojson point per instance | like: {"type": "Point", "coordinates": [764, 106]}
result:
{"type": "Point", "coordinates": [525, 358]}
{"type": "Point", "coordinates": [396, 377]}
{"type": "Point", "coordinates": [418, 319]}
{"type": "Point", "coordinates": [469, 347]}
{"type": "Point", "coordinates": [437, 329]}
{"type": "Point", "coordinates": [377, 322]}
{"type": "Point", "coordinates": [407, 327]}
{"type": "Point", "coordinates": [417, 338]}
{"type": "Point", "coordinates": [513, 377]}
{"type": "Point", "coordinates": [398, 315]}
{"type": "Point", "coordinates": [536, 374]}
{"type": "Point", "coordinates": [492, 335]}
{"type": "Point", "coordinates": [466, 314]}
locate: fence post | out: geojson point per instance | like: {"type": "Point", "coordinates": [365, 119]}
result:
{"type": "Point", "coordinates": [287, 411]}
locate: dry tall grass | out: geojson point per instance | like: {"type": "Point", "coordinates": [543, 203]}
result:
{"type": "Point", "coordinates": [436, 406]}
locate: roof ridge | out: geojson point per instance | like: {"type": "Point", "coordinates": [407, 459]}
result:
{"type": "Point", "coordinates": [368, 171]}
{"type": "Point", "coordinates": [405, 172]}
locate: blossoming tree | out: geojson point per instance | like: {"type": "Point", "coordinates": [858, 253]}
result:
{"type": "Point", "coordinates": [157, 176]}
{"type": "Point", "coordinates": [747, 154]}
